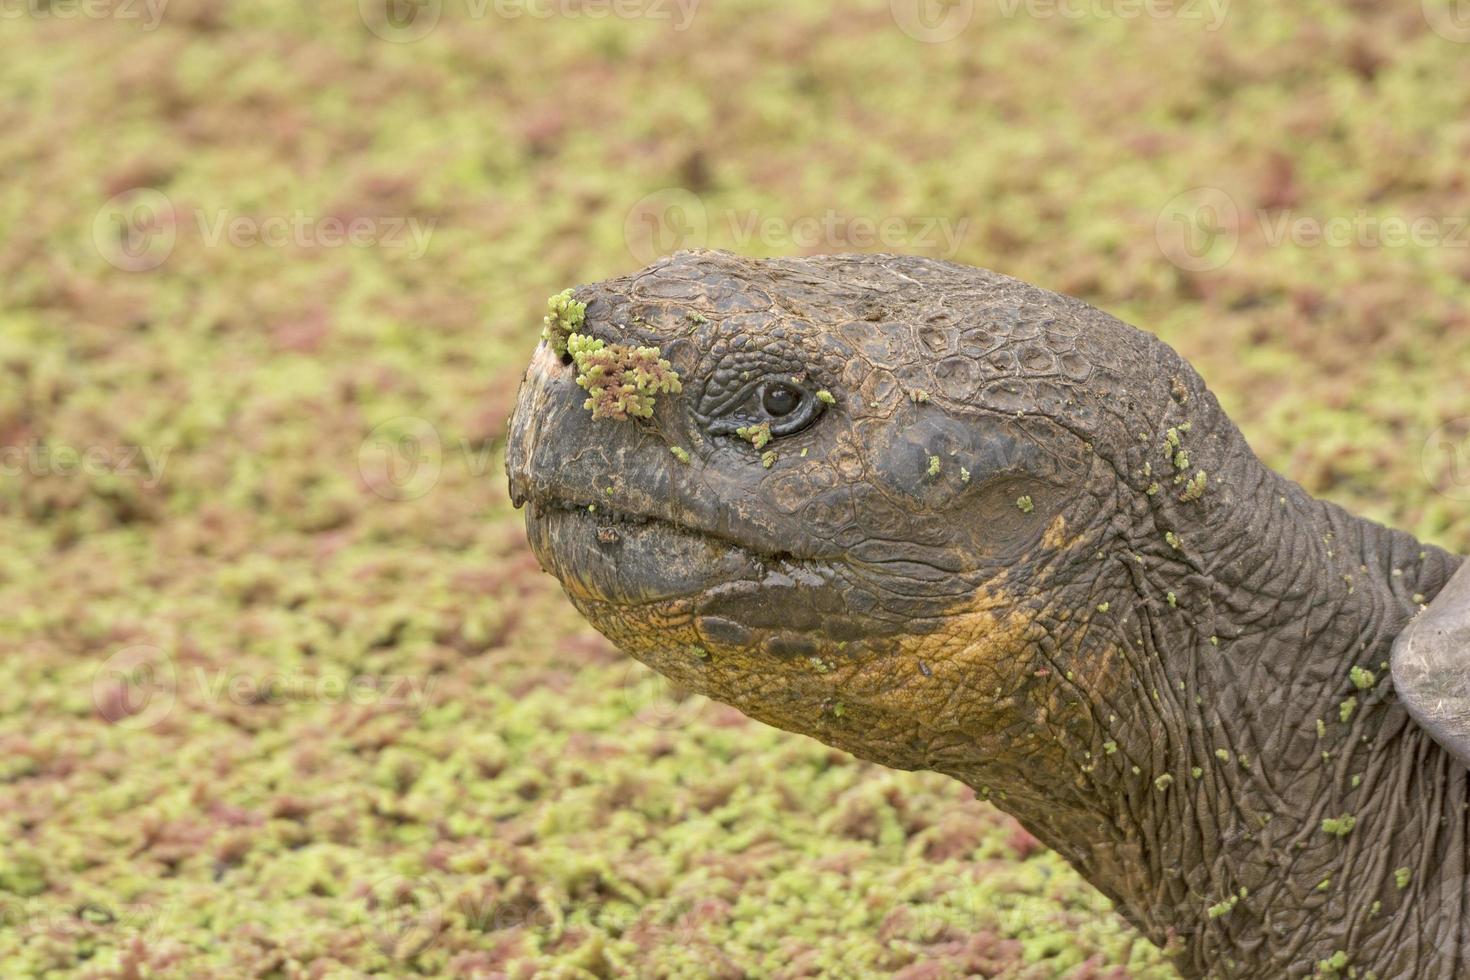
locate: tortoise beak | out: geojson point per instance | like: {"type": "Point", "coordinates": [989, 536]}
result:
{"type": "Point", "coordinates": [598, 499]}
{"type": "Point", "coordinates": [548, 389]}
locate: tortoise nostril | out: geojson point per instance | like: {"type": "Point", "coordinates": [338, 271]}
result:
{"type": "Point", "coordinates": [548, 363]}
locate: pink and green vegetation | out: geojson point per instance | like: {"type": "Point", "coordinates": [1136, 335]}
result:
{"type": "Point", "coordinates": [282, 692]}
{"type": "Point", "coordinates": [621, 381]}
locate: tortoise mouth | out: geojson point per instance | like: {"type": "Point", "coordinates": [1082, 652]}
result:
{"type": "Point", "coordinates": [630, 572]}
{"type": "Point", "coordinates": [609, 556]}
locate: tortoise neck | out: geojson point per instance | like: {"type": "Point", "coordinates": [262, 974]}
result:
{"type": "Point", "coordinates": [1339, 818]}
{"type": "Point", "coordinates": [1349, 830]}
{"type": "Point", "coordinates": [1256, 800]}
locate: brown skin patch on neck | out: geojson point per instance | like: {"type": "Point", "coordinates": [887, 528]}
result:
{"type": "Point", "coordinates": [907, 702]}
{"type": "Point", "coordinates": [982, 691]}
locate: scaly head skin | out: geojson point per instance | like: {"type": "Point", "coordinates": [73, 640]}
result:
{"type": "Point", "coordinates": [946, 520]}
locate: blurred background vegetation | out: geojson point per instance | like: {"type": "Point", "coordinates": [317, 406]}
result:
{"type": "Point", "coordinates": [282, 693]}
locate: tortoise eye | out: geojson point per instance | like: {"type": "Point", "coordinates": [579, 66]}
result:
{"type": "Point", "coordinates": [784, 405]}
{"type": "Point", "coordinates": [780, 400]}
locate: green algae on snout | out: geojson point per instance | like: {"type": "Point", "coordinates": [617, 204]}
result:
{"type": "Point", "coordinates": [564, 317]}
{"type": "Point", "coordinates": [620, 380]}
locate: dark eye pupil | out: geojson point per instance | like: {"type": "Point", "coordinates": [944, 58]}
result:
{"type": "Point", "coordinates": [779, 400]}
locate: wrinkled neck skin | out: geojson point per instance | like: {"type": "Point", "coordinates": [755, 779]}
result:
{"type": "Point", "coordinates": [1191, 747]}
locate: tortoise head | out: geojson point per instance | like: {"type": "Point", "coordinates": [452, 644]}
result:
{"type": "Point", "coordinates": [869, 489]}
{"type": "Point", "coordinates": [943, 519]}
